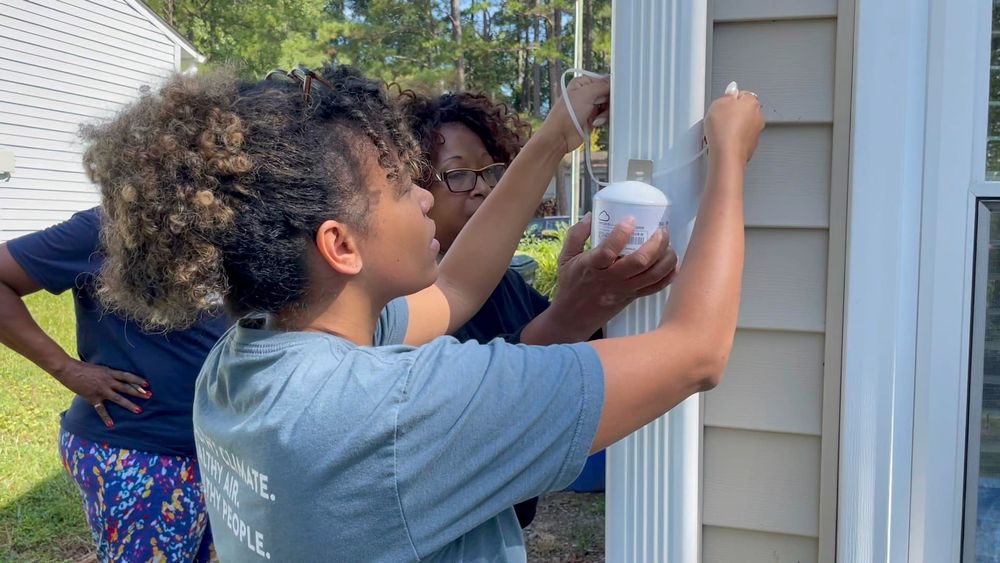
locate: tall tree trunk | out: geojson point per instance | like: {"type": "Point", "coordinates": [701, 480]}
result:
{"type": "Point", "coordinates": [588, 34]}
{"type": "Point", "coordinates": [588, 63]}
{"type": "Point", "coordinates": [555, 63]}
{"type": "Point", "coordinates": [336, 7]}
{"type": "Point", "coordinates": [536, 68]}
{"type": "Point", "coordinates": [555, 91]}
{"type": "Point", "coordinates": [486, 37]}
{"type": "Point", "coordinates": [168, 12]}
{"type": "Point", "coordinates": [431, 31]}
{"type": "Point", "coordinates": [522, 66]}
{"type": "Point", "coordinates": [456, 35]}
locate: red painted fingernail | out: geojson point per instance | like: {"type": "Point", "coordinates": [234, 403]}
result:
{"type": "Point", "coordinates": [109, 424]}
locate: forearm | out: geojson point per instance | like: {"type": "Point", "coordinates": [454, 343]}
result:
{"type": "Point", "coordinates": [649, 374]}
{"type": "Point", "coordinates": [20, 332]}
{"type": "Point", "coordinates": [705, 294]}
{"type": "Point", "coordinates": [481, 254]}
{"type": "Point", "coordinates": [552, 327]}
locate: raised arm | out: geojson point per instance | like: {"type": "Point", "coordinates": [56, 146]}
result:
{"type": "Point", "coordinates": [647, 375]}
{"type": "Point", "coordinates": [477, 260]}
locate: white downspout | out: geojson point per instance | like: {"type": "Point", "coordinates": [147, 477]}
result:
{"type": "Point", "coordinates": [658, 69]}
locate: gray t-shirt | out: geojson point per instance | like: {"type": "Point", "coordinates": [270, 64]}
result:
{"type": "Point", "coordinates": [316, 449]}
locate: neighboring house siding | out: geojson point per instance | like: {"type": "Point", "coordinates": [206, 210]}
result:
{"type": "Point", "coordinates": [770, 429]}
{"type": "Point", "coordinates": [64, 63]}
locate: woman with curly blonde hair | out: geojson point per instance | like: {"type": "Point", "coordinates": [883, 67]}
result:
{"type": "Point", "coordinates": [334, 422]}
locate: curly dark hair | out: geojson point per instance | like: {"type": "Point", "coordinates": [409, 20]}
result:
{"type": "Point", "coordinates": [503, 133]}
{"type": "Point", "coordinates": [213, 188]}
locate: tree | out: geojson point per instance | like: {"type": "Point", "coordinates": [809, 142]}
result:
{"type": "Point", "coordinates": [554, 30]}
{"type": "Point", "coordinates": [536, 68]}
{"type": "Point", "coordinates": [252, 33]}
{"type": "Point", "coordinates": [588, 63]}
{"type": "Point", "coordinates": [456, 35]}
{"type": "Point", "coordinates": [514, 50]}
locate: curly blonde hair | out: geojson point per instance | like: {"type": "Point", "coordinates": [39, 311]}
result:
{"type": "Point", "coordinates": [213, 189]}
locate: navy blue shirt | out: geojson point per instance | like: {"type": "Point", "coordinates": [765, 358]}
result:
{"type": "Point", "coordinates": [67, 257]}
{"type": "Point", "coordinates": [511, 306]}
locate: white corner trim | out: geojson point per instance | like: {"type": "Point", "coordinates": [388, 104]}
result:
{"type": "Point", "coordinates": [177, 38]}
{"type": "Point", "coordinates": [957, 35]}
{"type": "Point", "coordinates": [887, 151]}
{"type": "Point", "coordinates": [914, 182]}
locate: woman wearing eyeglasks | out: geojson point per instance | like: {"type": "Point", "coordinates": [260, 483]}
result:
{"type": "Point", "coordinates": [469, 141]}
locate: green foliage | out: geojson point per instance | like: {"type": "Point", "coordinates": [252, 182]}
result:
{"type": "Point", "coordinates": [255, 34]}
{"type": "Point", "coordinates": [993, 128]}
{"type": "Point", "coordinates": [410, 43]}
{"type": "Point", "coordinates": [544, 247]}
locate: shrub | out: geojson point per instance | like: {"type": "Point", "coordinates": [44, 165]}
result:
{"type": "Point", "coordinates": [544, 248]}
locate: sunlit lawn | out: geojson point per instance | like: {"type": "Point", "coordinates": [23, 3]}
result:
{"type": "Point", "coordinates": [41, 518]}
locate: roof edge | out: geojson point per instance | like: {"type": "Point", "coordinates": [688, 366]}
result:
{"type": "Point", "coordinates": [167, 29]}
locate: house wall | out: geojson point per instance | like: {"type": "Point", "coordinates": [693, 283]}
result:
{"type": "Point", "coordinates": [64, 63]}
{"type": "Point", "coordinates": [770, 429]}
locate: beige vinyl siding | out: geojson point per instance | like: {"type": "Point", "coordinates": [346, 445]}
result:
{"type": "Point", "coordinates": [724, 545]}
{"type": "Point", "coordinates": [785, 501]}
{"type": "Point", "coordinates": [790, 64]}
{"type": "Point", "coordinates": [64, 63]}
{"type": "Point", "coordinates": [749, 10]}
{"type": "Point", "coordinates": [775, 384]}
{"type": "Point", "coordinates": [764, 471]}
{"type": "Point", "coordinates": [784, 280]}
{"type": "Point", "coordinates": [789, 178]}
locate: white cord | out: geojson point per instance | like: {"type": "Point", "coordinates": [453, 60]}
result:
{"type": "Point", "coordinates": [731, 89]}
{"type": "Point", "coordinates": [576, 122]}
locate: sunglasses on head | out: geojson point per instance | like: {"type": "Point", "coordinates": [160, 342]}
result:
{"type": "Point", "coordinates": [301, 76]}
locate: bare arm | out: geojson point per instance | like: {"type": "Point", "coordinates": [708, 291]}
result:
{"type": "Point", "coordinates": [477, 260]}
{"type": "Point", "coordinates": [20, 332]}
{"type": "Point", "coordinates": [647, 375]}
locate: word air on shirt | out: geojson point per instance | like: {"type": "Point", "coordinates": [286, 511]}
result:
{"type": "Point", "coordinates": [223, 477]}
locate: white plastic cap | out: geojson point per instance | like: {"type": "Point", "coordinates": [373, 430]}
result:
{"type": "Point", "coordinates": [634, 193]}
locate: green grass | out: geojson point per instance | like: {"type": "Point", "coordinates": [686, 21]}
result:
{"type": "Point", "coordinates": [41, 517]}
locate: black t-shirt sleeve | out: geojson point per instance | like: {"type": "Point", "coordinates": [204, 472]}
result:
{"type": "Point", "coordinates": [530, 299]}
{"type": "Point", "coordinates": [539, 303]}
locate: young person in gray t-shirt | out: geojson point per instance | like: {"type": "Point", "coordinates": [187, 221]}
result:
{"type": "Point", "coordinates": [334, 422]}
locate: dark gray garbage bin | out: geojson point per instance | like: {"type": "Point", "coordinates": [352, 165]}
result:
{"type": "Point", "coordinates": [524, 265]}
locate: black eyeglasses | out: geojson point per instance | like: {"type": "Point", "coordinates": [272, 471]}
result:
{"type": "Point", "coordinates": [461, 180]}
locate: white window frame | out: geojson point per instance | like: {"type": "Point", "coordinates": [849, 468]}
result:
{"type": "Point", "coordinates": [918, 168]}
{"type": "Point", "coordinates": [976, 377]}
{"type": "Point", "coordinates": [980, 189]}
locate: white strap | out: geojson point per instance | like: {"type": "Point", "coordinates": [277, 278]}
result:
{"type": "Point", "coordinates": [576, 122]}
{"type": "Point", "coordinates": [730, 90]}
